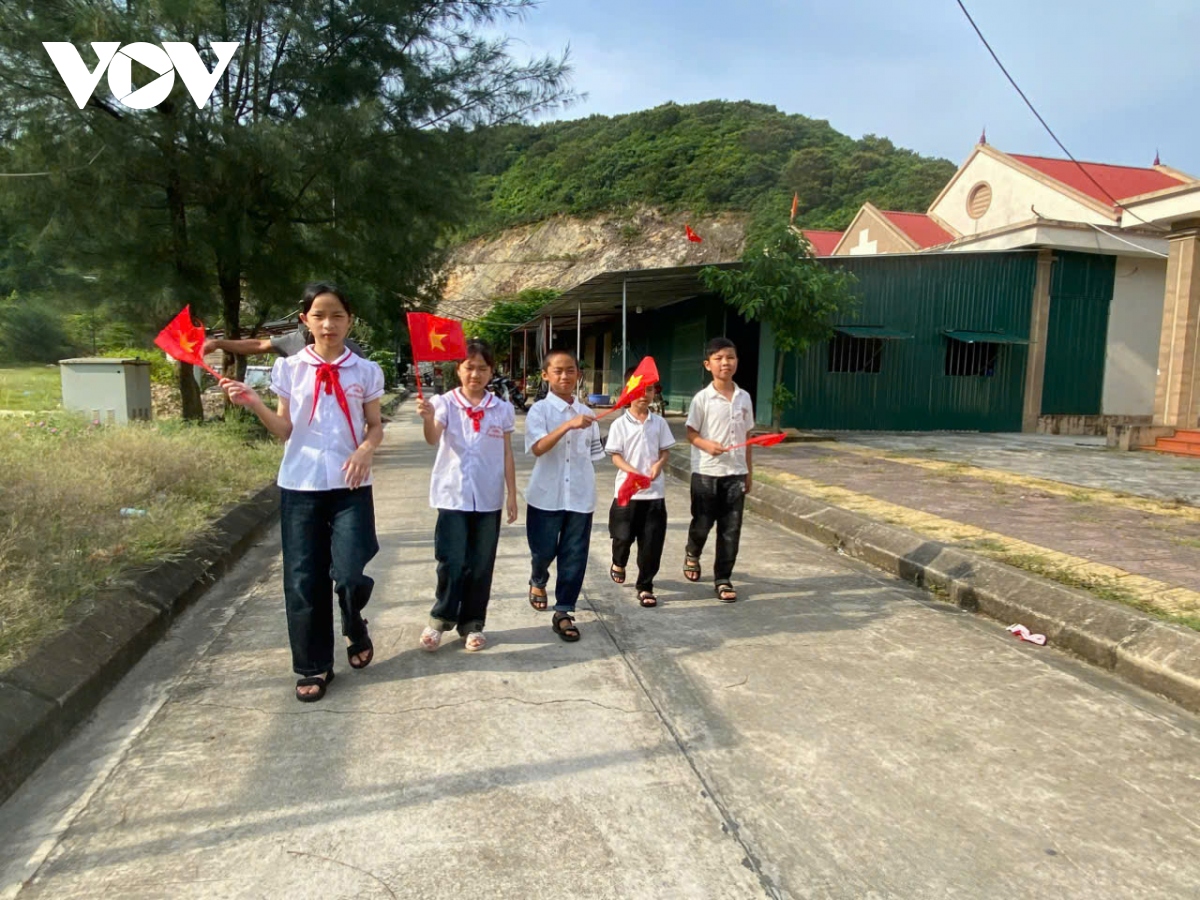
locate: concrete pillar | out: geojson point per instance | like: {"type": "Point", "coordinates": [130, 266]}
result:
{"type": "Point", "coordinates": [1176, 392]}
{"type": "Point", "coordinates": [1039, 326]}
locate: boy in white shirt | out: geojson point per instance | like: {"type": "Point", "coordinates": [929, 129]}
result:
{"type": "Point", "coordinates": [562, 435]}
{"type": "Point", "coordinates": [640, 443]}
{"type": "Point", "coordinates": [720, 416]}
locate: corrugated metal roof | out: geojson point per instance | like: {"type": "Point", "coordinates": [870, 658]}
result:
{"type": "Point", "coordinates": [872, 331]}
{"type": "Point", "coordinates": [823, 242]}
{"type": "Point", "coordinates": [985, 337]}
{"type": "Point", "coordinates": [1119, 181]}
{"type": "Point", "coordinates": [919, 227]}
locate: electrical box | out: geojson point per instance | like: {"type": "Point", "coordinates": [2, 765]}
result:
{"type": "Point", "coordinates": [108, 391]}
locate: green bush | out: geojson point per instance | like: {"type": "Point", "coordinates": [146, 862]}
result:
{"type": "Point", "coordinates": [31, 333]}
{"type": "Point", "coordinates": [387, 361]}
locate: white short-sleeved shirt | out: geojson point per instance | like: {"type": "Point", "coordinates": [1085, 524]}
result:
{"type": "Point", "coordinates": [564, 478]}
{"type": "Point", "coordinates": [640, 444]}
{"type": "Point", "coordinates": [726, 421]}
{"type": "Point", "coordinates": [314, 454]}
{"type": "Point", "coordinates": [468, 474]}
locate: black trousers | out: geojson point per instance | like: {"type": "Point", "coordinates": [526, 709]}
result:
{"type": "Point", "coordinates": [717, 500]}
{"type": "Point", "coordinates": [644, 521]}
{"type": "Point", "coordinates": [464, 545]}
{"type": "Point", "coordinates": [328, 539]}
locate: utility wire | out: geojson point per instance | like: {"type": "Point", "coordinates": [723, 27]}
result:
{"type": "Point", "coordinates": [1033, 110]}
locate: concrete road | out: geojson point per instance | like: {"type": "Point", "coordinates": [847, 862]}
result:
{"type": "Point", "coordinates": [835, 735]}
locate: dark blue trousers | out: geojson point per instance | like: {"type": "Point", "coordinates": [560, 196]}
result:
{"type": "Point", "coordinates": [567, 537]}
{"type": "Point", "coordinates": [328, 539]}
{"type": "Point", "coordinates": [464, 545]}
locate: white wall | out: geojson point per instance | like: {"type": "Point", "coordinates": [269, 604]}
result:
{"type": "Point", "coordinates": [1134, 326]}
{"type": "Point", "coordinates": [1013, 193]}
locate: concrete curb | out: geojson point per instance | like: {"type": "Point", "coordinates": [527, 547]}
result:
{"type": "Point", "coordinates": [59, 685]}
{"type": "Point", "coordinates": [1152, 654]}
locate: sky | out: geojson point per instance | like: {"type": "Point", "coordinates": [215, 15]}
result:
{"type": "Point", "coordinates": [1115, 79]}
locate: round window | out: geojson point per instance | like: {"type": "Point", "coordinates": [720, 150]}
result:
{"type": "Point", "coordinates": [979, 200]}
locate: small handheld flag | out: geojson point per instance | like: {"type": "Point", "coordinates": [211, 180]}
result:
{"type": "Point", "coordinates": [634, 483]}
{"type": "Point", "coordinates": [795, 206]}
{"type": "Point", "coordinates": [645, 375]}
{"type": "Point", "coordinates": [184, 341]}
{"type": "Point", "coordinates": [435, 339]}
{"type": "Point", "coordinates": [692, 236]}
{"type": "Point", "coordinates": [763, 440]}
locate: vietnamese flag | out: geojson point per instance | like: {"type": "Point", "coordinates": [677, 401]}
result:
{"type": "Point", "coordinates": [763, 440]}
{"type": "Point", "coordinates": [795, 206]}
{"type": "Point", "coordinates": [692, 236]}
{"type": "Point", "coordinates": [184, 341]}
{"type": "Point", "coordinates": [642, 378]}
{"type": "Point", "coordinates": [435, 339]}
{"type": "Point", "coordinates": [633, 484]}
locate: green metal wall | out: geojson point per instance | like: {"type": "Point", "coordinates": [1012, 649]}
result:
{"type": "Point", "coordinates": [924, 296]}
{"type": "Point", "coordinates": [1081, 290]}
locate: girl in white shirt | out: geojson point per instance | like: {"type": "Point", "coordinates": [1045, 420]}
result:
{"type": "Point", "coordinates": [328, 417]}
{"type": "Point", "coordinates": [473, 471]}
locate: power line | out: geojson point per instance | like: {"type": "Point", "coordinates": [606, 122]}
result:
{"type": "Point", "coordinates": [1049, 130]}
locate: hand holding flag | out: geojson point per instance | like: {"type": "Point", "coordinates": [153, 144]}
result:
{"type": "Point", "coordinates": [184, 341]}
{"type": "Point", "coordinates": [634, 483]}
{"type": "Point", "coordinates": [763, 440]}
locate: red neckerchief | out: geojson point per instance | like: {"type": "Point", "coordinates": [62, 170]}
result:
{"type": "Point", "coordinates": [475, 415]}
{"type": "Point", "coordinates": [327, 377]}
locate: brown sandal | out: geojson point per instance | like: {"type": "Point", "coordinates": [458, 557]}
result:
{"type": "Point", "coordinates": [726, 593]}
{"type": "Point", "coordinates": [567, 632]}
{"type": "Point", "coordinates": [538, 601]}
{"type": "Point", "coordinates": [691, 568]}
{"type": "Point", "coordinates": [617, 573]}
{"type": "Point", "coordinates": [647, 599]}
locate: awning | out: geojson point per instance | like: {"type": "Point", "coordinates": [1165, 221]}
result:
{"type": "Point", "coordinates": [870, 331]}
{"type": "Point", "coordinates": [985, 337]}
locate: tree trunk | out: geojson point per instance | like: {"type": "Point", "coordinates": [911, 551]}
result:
{"type": "Point", "coordinates": [776, 409]}
{"type": "Point", "coordinates": [189, 392]}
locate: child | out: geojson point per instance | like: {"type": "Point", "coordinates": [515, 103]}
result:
{"type": "Point", "coordinates": [328, 418]}
{"type": "Point", "coordinates": [563, 436]}
{"type": "Point", "coordinates": [720, 416]}
{"type": "Point", "coordinates": [639, 442]}
{"type": "Point", "coordinates": [474, 467]}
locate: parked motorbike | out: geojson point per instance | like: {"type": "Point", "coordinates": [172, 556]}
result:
{"type": "Point", "coordinates": [507, 389]}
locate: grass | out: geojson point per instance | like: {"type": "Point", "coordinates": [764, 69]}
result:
{"type": "Point", "coordinates": [62, 536]}
{"type": "Point", "coordinates": [31, 388]}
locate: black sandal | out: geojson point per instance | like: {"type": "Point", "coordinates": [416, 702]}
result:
{"type": "Point", "coordinates": [538, 601]}
{"type": "Point", "coordinates": [567, 632]}
{"type": "Point", "coordinates": [647, 599]}
{"type": "Point", "coordinates": [725, 592]}
{"type": "Point", "coordinates": [357, 648]}
{"type": "Point", "coordinates": [617, 573]}
{"type": "Point", "coordinates": [691, 568]}
{"type": "Point", "coordinates": [321, 681]}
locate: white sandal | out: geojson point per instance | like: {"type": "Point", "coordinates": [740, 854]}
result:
{"type": "Point", "coordinates": [431, 639]}
{"type": "Point", "coordinates": [475, 641]}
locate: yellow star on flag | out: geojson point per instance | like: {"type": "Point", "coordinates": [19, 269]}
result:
{"type": "Point", "coordinates": [188, 346]}
{"type": "Point", "coordinates": [633, 382]}
{"type": "Point", "coordinates": [435, 340]}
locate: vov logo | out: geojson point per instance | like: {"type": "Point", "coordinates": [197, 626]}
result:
{"type": "Point", "coordinates": [171, 58]}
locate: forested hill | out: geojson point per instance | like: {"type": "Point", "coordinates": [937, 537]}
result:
{"type": "Point", "coordinates": [702, 158]}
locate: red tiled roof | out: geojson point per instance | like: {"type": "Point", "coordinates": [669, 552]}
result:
{"type": "Point", "coordinates": [918, 226]}
{"type": "Point", "coordinates": [1119, 181]}
{"type": "Point", "coordinates": [823, 242]}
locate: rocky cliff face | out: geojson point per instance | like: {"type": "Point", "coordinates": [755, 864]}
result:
{"type": "Point", "coordinates": [563, 252]}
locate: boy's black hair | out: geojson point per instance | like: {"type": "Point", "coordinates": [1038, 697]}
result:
{"type": "Point", "coordinates": [315, 289]}
{"type": "Point", "coordinates": [476, 347]}
{"type": "Point", "coordinates": [560, 351]}
{"type": "Point", "coordinates": [717, 344]}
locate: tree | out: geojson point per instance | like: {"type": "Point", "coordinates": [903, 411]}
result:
{"type": "Point", "coordinates": [327, 148]}
{"type": "Point", "coordinates": [782, 285]}
{"type": "Point", "coordinates": [506, 312]}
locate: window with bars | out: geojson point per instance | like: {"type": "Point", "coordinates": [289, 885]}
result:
{"type": "Point", "coordinates": [974, 359]}
{"type": "Point", "coordinates": [855, 354]}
